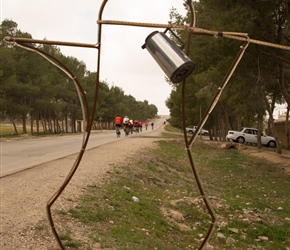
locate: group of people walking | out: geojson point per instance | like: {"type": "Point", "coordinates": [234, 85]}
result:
{"type": "Point", "coordinates": [129, 125]}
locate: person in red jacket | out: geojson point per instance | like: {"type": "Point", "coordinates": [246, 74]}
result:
{"type": "Point", "coordinates": [136, 126]}
{"type": "Point", "coordinates": [118, 123]}
{"type": "Point", "coordinates": [140, 126]}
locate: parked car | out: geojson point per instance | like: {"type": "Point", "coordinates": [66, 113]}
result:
{"type": "Point", "coordinates": [249, 135]}
{"type": "Point", "coordinates": [192, 130]}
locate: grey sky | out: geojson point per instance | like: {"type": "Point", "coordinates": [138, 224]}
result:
{"type": "Point", "coordinates": [123, 62]}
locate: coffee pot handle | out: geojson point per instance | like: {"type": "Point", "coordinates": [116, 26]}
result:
{"type": "Point", "coordinates": [179, 40]}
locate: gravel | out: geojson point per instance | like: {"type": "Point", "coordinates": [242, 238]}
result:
{"type": "Point", "coordinates": [24, 223]}
{"type": "Point", "coordinates": [23, 219]}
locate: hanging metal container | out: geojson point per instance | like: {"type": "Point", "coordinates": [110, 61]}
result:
{"type": "Point", "coordinates": [176, 65]}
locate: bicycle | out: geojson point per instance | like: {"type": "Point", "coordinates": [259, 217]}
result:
{"type": "Point", "coordinates": [136, 129]}
{"type": "Point", "coordinates": [126, 130]}
{"type": "Point", "coordinates": [118, 132]}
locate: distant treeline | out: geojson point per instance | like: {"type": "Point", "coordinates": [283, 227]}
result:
{"type": "Point", "coordinates": [36, 92]}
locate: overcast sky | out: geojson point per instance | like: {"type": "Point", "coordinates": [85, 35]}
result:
{"type": "Point", "coordinates": [123, 62]}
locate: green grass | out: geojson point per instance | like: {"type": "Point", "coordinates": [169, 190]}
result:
{"type": "Point", "coordinates": [245, 194]}
{"type": "Point", "coordinates": [8, 131]}
{"type": "Point", "coordinates": [169, 128]}
{"type": "Point", "coordinates": [68, 241]}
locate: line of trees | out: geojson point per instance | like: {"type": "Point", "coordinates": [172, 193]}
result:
{"type": "Point", "coordinates": [261, 80]}
{"type": "Point", "coordinates": [33, 90]}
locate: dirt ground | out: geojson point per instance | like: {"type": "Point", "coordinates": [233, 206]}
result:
{"type": "Point", "coordinates": [24, 195]}
{"type": "Point", "coordinates": [268, 154]}
{"type": "Point", "coordinates": [281, 161]}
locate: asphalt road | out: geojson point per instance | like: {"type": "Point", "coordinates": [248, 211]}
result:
{"type": "Point", "coordinates": [20, 155]}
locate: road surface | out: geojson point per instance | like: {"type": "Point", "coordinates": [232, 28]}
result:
{"type": "Point", "coordinates": [20, 155]}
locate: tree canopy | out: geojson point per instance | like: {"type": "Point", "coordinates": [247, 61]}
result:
{"type": "Point", "coordinates": [261, 79]}
{"type": "Point", "coordinates": [32, 89]}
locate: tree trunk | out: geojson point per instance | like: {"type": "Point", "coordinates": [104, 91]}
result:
{"type": "Point", "coordinates": [73, 125]}
{"type": "Point", "coordinates": [220, 128]}
{"type": "Point", "coordinates": [215, 133]}
{"type": "Point", "coordinates": [210, 134]}
{"type": "Point", "coordinates": [37, 124]}
{"type": "Point", "coordinates": [227, 125]}
{"type": "Point", "coordinates": [54, 125]}
{"type": "Point", "coordinates": [49, 124]}
{"type": "Point", "coordinates": [260, 127]}
{"type": "Point", "coordinates": [62, 125]}
{"type": "Point", "coordinates": [66, 124]}
{"type": "Point", "coordinates": [31, 123]}
{"type": "Point", "coordinates": [44, 125]}
{"type": "Point", "coordinates": [287, 128]}
{"type": "Point", "coordinates": [58, 129]}
{"type": "Point", "coordinates": [42, 122]}
{"type": "Point", "coordinates": [272, 128]}
{"type": "Point", "coordinates": [14, 125]}
{"type": "Point", "coordinates": [24, 123]}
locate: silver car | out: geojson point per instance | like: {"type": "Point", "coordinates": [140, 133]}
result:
{"type": "Point", "coordinates": [249, 135]}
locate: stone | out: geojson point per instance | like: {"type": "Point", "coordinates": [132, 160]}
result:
{"type": "Point", "coordinates": [208, 247]}
{"type": "Point", "coordinates": [264, 238]}
{"type": "Point", "coordinates": [220, 236]}
{"type": "Point", "coordinates": [234, 230]}
{"type": "Point", "coordinates": [230, 241]}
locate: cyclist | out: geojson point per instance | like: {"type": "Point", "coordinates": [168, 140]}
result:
{"type": "Point", "coordinates": [128, 128]}
{"type": "Point", "coordinates": [118, 123]}
{"type": "Point", "coordinates": [131, 125]}
{"type": "Point", "coordinates": [136, 126]}
{"type": "Point", "coordinates": [126, 124]}
{"type": "Point", "coordinates": [140, 126]}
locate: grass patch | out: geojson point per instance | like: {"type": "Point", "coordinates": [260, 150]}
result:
{"type": "Point", "coordinates": [7, 131]}
{"type": "Point", "coordinates": [169, 128]}
{"type": "Point", "coordinates": [249, 196]}
{"type": "Point", "coordinates": [68, 241]}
